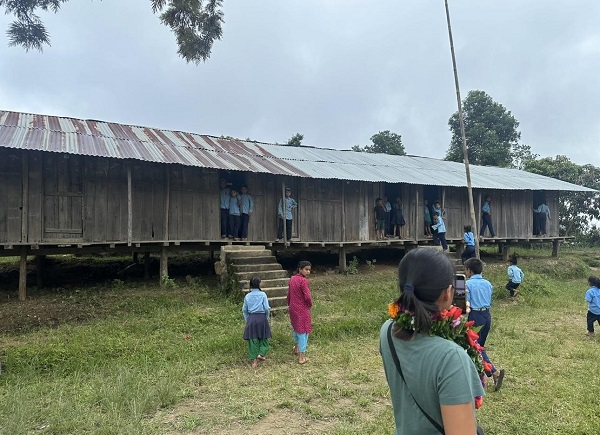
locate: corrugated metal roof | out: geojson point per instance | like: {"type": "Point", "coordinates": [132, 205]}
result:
{"type": "Point", "coordinates": [106, 139]}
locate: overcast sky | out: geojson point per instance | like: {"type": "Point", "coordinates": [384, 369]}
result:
{"type": "Point", "coordinates": [337, 71]}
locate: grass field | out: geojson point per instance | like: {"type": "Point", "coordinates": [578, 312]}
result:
{"type": "Point", "coordinates": [127, 357]}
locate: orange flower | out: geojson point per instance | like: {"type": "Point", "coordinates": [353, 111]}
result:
{"type": "Point", "coordinates": [487, 366]}
{"type": "Point", "coordinates": [472, 335]}
{"type": "Point", "coordinates": [444, 314]}
{"type": "Point", "coordinates": [478, 402]}
{"type": "Point", "coordinates": [455, 312]}
{"type": "Point", "coordinates": [393, 310]}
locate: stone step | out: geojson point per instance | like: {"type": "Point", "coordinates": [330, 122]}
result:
{"type": "Point", "coordinates": [246, 253]}
{"type": "Point", "coordinates": [279, 302]}
{"type": "Point", "coordinates": [264, 259]}
{"type": "Point", "coordinates": [231, 248]}
{"type": "Point", "coordinates": [272, 292]}
{"type": "Point", "coordinates": [256, 267]}
{"type": "Point", "coordinates": [266, 283]}
{"type": "Point", "coordinates": [263, 274]}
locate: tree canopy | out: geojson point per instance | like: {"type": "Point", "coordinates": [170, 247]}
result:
{"type": "Point", "coordinates": [384, 142]}
{"type": "Point", "coordinates": [196, 24]}
{"type": "Point", "coordinates": [491, 131]}
{"type": "Point", "coordinates": [576, 209]}
{"type": "Point", "coordinates": [295, 140]}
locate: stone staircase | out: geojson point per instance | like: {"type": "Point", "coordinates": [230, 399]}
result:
{"type": "Point", "coordinates": [249, 261]}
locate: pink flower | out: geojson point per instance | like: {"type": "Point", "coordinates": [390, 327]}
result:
{"type": "Point", "coordinates": [456, 323]}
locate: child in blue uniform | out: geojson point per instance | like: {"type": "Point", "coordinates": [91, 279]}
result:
{"type": "Point", "coordinates": [515, 277]}
{"type": "Point", "coordinates": [257, 331]}
{"type": "Point", "coordinates": [479, 301]}
{"type": "Point", "coordinates": [235, 215]}
{"type": "Point", "coordinates": [592, 297]}
{"type": "Point", "coordinates": [469, 239]}
{"type": "Point", "coordinates": [285, 214]}
{"type": "Point", "coordinates": [439, 235]}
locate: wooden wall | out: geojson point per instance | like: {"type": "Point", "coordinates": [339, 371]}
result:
{"type": "Point", "coordinates": [85, 199]}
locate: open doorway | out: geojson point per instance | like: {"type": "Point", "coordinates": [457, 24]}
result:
{"type": "Point", "coordinates": [393, 197]}
{"type": "Point", "coordinates": [539, 216]}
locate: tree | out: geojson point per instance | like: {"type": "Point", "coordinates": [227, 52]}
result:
{"type": "Point", "coordinates": [491, 132]}
{"type": "Point", "coordinates": [295, 140]}
{"type": "Point", "coordinates": [196, 25]}
{"type": "Point", "coordinates": [576, 209]}
{"type": "Point", "coordinates": [384, 142]}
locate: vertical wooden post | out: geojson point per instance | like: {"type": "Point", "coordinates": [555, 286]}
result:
{"type": "Point", "coordinates": [164, 265]}
{"type": "Point", "coordinates": [39, 267]}
{"type": "Point", "coordinates": [167, 205]}
{"type": "Point", "coordinates": [417, 213]}
{"type": "Point", "coordinates": [343, 227]}
{"type": "Point", "coordinates": [285, 240]}
{"type": "Point", "coordinates": [25, 196]}
{"type": "Point", "coordinates": [146, 265]}
{"type": "Point", "coordinates": [505, 251]}
{"type": "Point", "coordinates": [555, 247]}
{"type": "Point", "coordinates": [342, 259]}
{"type": "Point", "coordinates": [211, 255]}
{"type": "Point", "coordinates": [129, 206]}
{"type": "Point", "coordinates": [23, 274]}
{"type": "Point", "coordinates": [135, 257]}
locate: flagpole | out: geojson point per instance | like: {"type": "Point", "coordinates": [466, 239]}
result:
{"type": "Point", "coordinates": [464, 137]}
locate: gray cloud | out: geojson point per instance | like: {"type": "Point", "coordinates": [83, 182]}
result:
{"type": "Point", "coordinates": [336, 71]}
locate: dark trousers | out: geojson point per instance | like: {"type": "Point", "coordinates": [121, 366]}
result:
{"type": "Point", "coordinates": [511, 287]}
{"type": "Point", "coordinates": [591, 318]}
{"type": "Point", "coordinates": [440, 238]}
{"type": "Point", "coordinates": [388, 220]}
{"type": "Point", "coordinates": [542, 224]}
{"type": "Point", "coordinates": [288, 228]}
{"type": "Point", "coordinates": [234, 225]}
{"type": "Point", "coordinates": [224, 222]}
{"type": "Point", "coordinates": [483, 319]}
{"type": "Point", "coordinates": [244, 227]}
{"type": "Point", "coordinates": [469, 252]}
{"type": "Point", "coordinates": [486, 221]}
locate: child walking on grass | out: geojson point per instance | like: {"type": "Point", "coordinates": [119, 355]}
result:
{"type": "Point", "coordinates": [256, 313]}
{"type": "Point", "coordinates": [515, 277]}
{"type": "Point", "coordinates": [592, 297]}
{"type": "Point", "coordinates": [299, 304]}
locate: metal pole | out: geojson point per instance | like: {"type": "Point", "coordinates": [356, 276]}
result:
{"type": "Point", "coordinates": [464, 137]}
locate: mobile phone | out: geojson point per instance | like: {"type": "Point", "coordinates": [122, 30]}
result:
{"type": "Point", "coordinates": [460, 291]}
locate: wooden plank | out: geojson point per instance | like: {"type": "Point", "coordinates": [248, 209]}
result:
{"type": "Point", "coordinates": [129, 206]}
{"type": "Point", "coordinates": [164, 266]}
{"type": "Point", "coordinates": [25, 195]}
{"type": "Point", "coordinates": [167, 194]}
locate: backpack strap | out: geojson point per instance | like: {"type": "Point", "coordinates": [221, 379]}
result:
{"type": "Point", "coordinates": [397, 362]}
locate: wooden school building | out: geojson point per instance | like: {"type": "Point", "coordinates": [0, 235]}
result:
{"type": "Point", "coordinates": [76, 186]}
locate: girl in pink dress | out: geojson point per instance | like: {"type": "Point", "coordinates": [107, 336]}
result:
{"type": "Point", "coordinates": [299, 305]}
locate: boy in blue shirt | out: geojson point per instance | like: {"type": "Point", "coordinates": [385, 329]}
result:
{"type": "Point", "coordinates": [439, 228]}
{"type": "Point", "coordinates": [486, 217]}
{"type": "Point", "coordinates": [479, 301]}
{"type": "Point", "coordinates": [515, 277]}
{"type": "Point", "coordinates": [592, 297]}
{"type": "Point", "coordinates": [247, 206]}
{"type": "Point", "coordinates": [235, 215]}
{"type": "Point", "coordinates": [290, 204]}
{"type": "Point", "coordinates": [224, 197]}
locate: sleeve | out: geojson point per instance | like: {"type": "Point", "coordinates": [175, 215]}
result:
{"type": "Point", "coordinates": [436, 226]}
{"type": "Point", "coordinates": [588, 296]}
{"type": "Point", "coordinates": [458, 381]}
{"type": "Point", "coordinates": [294, 203]}
{"type": "Point", "coordinates": [307, 295]}
{"type": "Point", "coordinates": [522, 275]}
{"type": "Point", "coordinates": [468, 292]}
{"type": "Point", "coordinates": [466, 238]}
{"type": "Point", "coordinates": [510, 273]}
{"type": "Point", "coordinates": [266, 306]}
{"type": "Point", "coordinates": [245, 309]}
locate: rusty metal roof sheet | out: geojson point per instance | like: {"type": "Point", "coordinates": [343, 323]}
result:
{"type": "Point", "coordinates": [106, 139]}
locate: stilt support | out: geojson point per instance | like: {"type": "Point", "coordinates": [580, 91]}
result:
{"type": "Point", "coordinates": [23, 274]}
{"type": "Point", "coordinates": [164, 265]}
{"type": "Point", "coordinates": [342, 259]}
{"type": "Point", "coordinates": [505, 251]}
{"type": "Point", "coordinates": [555, 247]}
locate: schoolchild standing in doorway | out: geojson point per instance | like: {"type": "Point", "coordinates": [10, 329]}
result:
{"type": "Point", "coordinates": [225, 197]}
{"type": "Point", "coordinates": [285, 214]}
{"type": "Point", "coordinates": [486, 217]}
{"type": "Point", "coordinates": [247, 209]}
{"type": "Point", "coordinates": [235, 214]}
